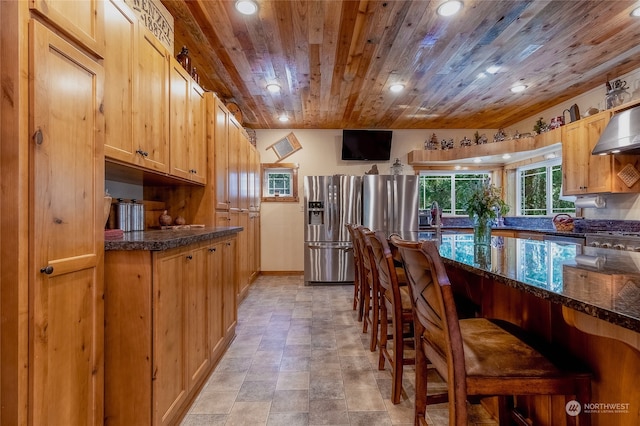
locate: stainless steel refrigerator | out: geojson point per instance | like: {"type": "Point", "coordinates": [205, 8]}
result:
{"type": "Point", "coordinates": [330, 202]}
{"type": "Point", "coordinates": [390, 203]}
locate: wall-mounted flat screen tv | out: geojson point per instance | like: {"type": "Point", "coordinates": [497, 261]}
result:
{"type": "Point", "coordinates": [366, 145]}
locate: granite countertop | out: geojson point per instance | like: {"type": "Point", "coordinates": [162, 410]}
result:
{"type": "Point", "coordinates": [602, 283]}
{"type": "Point", "coordinates": [157, 239]}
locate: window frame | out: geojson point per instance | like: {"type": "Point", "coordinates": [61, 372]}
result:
{"type": "Point", "coordinates": [265, 169]}
{"type": "Point", "coordinates": [548, 165]}
{"type": "Point", "coordinates": [452, 174]}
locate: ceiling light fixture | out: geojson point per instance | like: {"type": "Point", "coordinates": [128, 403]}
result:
{"type": "Point", "coordinates": [449, 8]}
{"type": "Point", "coordinates": [246, 7]}
{"type": "Point", "coordinates": [493, 69]}
{"type": "Point", "coordinates": [635, 12]}
{"type": "Point", "coordinates": [396, 88]}
{"type": "Point", "coordinates": [519, 88]}
{"type": "Point", "coordinates": [506, 156]}
{"type": "Point", "coordinates": [273, 88]}
{"type": "Point", "coordinates": [283, 118]}
{"type": "Point", "coordinates": [477, 160]}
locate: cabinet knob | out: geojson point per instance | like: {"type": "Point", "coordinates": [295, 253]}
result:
{"type": "Point", "coordinates": [37, 137]}
{"type": "Point", "coordinates": [143, 153]}
{"type": "Point", "coordinates": [212, 249]}
{"type": "Point", "coordinates": [189, 257]}
{"type": "Point", "coordinates": [47, 270]}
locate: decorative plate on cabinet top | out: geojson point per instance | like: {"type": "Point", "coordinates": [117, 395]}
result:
{"type": "Point", "coordinates": [235, 110]}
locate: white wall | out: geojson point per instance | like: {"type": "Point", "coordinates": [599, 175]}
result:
{"type": "Point", "coordinates": [282, 223]}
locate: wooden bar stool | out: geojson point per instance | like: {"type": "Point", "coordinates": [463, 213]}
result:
{"type": "Point", "coordinates": [358, 294]}
{"type": "Point", "coordinates": [395, 313]}
{"type": "Point", "coordinates": [478, 356]}
{"type": "Point", "coordinates": [371, 309]}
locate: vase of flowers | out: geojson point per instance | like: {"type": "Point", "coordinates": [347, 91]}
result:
{"type": "Point", "coordinates": [484, 205]}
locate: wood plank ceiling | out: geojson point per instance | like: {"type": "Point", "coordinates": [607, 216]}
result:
{"type": "Point", "coordinates": [335, 60]}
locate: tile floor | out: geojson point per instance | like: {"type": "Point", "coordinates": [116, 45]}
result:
{"type": "Point", "coordinates": [300, 358]}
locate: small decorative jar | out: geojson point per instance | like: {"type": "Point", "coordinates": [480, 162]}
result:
{"type": "Point", "coordinates": [184, 59]}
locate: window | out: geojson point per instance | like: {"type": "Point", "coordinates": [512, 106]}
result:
{"type": "Point", "coordinates": [539, 190]}
{"type": "Point", "coordinates": [448, 190]}
{"type": "Point", "coordinates": [280, 182]}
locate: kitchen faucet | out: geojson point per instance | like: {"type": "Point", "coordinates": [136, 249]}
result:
{"type": "Point", "coordinates": [435, 210]}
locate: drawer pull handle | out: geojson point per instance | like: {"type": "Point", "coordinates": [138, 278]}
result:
{"type": "Point", "coordinates": [47, 270]}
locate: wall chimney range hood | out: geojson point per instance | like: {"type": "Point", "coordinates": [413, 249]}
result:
{"type": "Point", "coordinates": [622, 134]}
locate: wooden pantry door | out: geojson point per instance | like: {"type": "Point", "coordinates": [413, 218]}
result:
{"type": "Point", "coordinates": [66, 311]}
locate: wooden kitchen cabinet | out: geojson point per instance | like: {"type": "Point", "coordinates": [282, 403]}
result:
{"type": "Point", "coordinates": [221, 151]}
{"type": "Point", "coordinates": [169, 343]}
{"type": "Point", "coordinates": [169, 317]}
{"type": "Point", "coordinates": [244, 277]}
{"type": "Point", "coordinates": [120, 76]}
{"type": "Point", "coordinates": [187, 141]}
{"type": "Point", "coordinates": [66, 243]}
{"type": "Point", "coordinates": [215, 298]}
{"type": "Point", "coordinates": [151, 114]}
{"type": "Point", "coordinates": [81, 20]}
{"type": "Point", "coordinates": [230, 282]}
{"type": "Point", "coordinates": [583, 173]}
{"type": "Point", "coordinates": [233, 179]}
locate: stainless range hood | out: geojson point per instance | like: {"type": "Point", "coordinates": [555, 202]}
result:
{"type": "Point", "coordinates": [622, 134]}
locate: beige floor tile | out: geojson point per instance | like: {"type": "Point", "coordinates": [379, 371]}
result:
{"type": "Point", "coordinates": [328, 412]}
{"type": "Point", "coordinates": [293, 380]}
{"type": "Point", "coordinates": [286, 401]}
{"type": "Point", "coordinates": [249, 413]}
{"type": "Point", "coordinates": [214, 402]}
{"type": "Point", "coordinates": [359, 399]}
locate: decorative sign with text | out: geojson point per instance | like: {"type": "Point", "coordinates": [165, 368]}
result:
{"type": "Point", "coordinates": [156, 18]}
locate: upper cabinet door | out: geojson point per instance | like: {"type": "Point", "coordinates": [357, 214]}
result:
{"type": "Point", "coordinates": [221, 149]}
{"type": "Point", "coordinates": [179, 124]}
{"type": "Point", "coordinates": [120, 65]}
{"type": "Point", "coordinates": [66, 244]}
{"type": "Point", "coordinates": [198, 135]}
{"type": "Point", "coordinates": [81, 20]}
{"type": "Point", "coordinates": [151, 115]}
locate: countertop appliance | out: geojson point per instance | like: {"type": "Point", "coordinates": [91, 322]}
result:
{"type": "Point", "coordinates": [390, 203]}
{"type": "Point", "coordinates": [330, 203]}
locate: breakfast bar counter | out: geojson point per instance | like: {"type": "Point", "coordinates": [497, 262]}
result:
{"type": "Point", "coordinates": [582, 300]}
{"type": "Point", "coordinates": [602, 283]}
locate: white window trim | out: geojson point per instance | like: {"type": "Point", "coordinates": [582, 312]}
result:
{"type": "Point", "coordinates": [519, 170]}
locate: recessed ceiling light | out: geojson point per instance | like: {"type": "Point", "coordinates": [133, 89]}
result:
{"type": "Point", "coordinates": [506, 156]}
{"type": "Point", "coordinates": [635, 12]}
{"type": "Point", "coordinates": [246, 7]}
{"type": "Point", "coordinates": [519, 88]}
{"type": "Point", "coordinates": [395, 88]}
{"type": "Point", "coordinates": [273, 88]}
{"type": "Point", "coordinates": [493, 69]}
{"type": "Point", "coordinates": [449, 8]}
{"type": "Point", "coordinates": [457, 167]}
{"type": "Point", "coordinates": [283, 118]}
{"type": "Point", "coordinates": [477, 160]}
